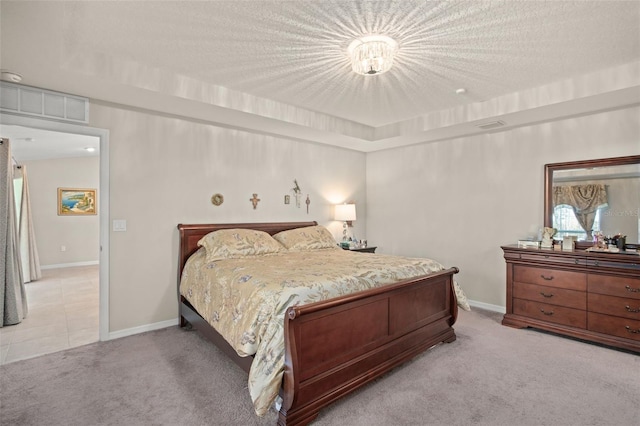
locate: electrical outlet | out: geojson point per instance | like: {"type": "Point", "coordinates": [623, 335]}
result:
{"type": "Point", "coordinates": [63, 248]}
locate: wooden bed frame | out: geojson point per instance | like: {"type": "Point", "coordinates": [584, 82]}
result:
{"type": "Point", "coordinates": [335, 346]}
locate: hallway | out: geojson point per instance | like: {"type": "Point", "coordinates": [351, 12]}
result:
{"type": "Point", "coordinates": [63, 314]}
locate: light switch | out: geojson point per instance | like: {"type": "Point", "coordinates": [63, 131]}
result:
{"type": "Point", "coordinates": [119, 225]}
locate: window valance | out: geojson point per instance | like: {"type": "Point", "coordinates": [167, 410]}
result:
{"type": "Point", "coordinates": [583, 198]}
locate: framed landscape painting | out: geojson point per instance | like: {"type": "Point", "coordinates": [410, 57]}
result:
{"type": "Point", "coordinates": [76, 202]}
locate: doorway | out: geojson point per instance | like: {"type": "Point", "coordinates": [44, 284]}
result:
{"type": "Point", "coordinates": [103, 202]}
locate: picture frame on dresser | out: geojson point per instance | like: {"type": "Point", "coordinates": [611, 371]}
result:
{"type": "Point", "coordinates": [589, 295]}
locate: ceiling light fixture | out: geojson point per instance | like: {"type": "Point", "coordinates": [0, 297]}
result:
{"type": "Point", "coordinates": [372, 55]}
{"type": "Point", "coordinates": [90, 149]}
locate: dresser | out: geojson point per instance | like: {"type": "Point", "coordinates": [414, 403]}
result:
{"type": "Point", "coordinates": [588, 295]}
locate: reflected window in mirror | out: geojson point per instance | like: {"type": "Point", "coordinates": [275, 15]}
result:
{"type": "Point", "coordinates": [584, 201]}
{"type": "Point", "coordinates": [565, 221]}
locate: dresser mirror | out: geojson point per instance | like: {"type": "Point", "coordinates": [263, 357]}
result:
{"type": "Point", "coordinates": [604, 192]}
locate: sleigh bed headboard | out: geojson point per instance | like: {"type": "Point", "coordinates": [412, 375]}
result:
{"type": "Point", "coordinates": [190, 234]}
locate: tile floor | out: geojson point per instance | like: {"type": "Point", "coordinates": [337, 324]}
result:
{"type": "Point", "coordinates": [63, 313]}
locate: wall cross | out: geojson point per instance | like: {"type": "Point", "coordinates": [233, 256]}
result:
{"type": "Point", "coordinates": [254, 200]}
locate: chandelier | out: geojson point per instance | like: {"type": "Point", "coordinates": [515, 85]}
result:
{"type": "Point", "coordinates": [372, 55]}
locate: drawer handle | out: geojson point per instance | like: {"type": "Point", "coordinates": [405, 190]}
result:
{"type": "Point", "coordinates": [549, 313]}
{"type": "Point", "coordinates": [543, 294]}
{"type": "Point", "coordinates": [632, 290]}
{"type": "Point", "coordinates": [577, 261]}
{"type": "Point", "coordinates": [546, 278]}
{"type": "Point", "coordinates": [628, 308]}
{"type": "Point", "coordinates": [632, 331]}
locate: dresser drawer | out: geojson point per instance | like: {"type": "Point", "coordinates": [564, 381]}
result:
{"type": "Point", "coordinates": [622, 263]}
{"type": "Point", "coordinates": [614, 285]}
{"type": "Point", "coordinates": [616, 326]}
{"type": "Point", "coordinates": [551, 295]}
{"type": "Point", "coordinates": [550, 313]}
{"type": "Point", "coordinates": [616, 306]}
{"type": "Point", "coordinates": [550, 277]}
{"type": "Point", "coordinates": [548, 257]}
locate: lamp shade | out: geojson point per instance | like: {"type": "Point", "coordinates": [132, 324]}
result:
{"type": "Point", "coordinates": [345, 212]}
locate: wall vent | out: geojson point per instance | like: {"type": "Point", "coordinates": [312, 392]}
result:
{"type": "Point", "coordinates": [491, 125]}
{"type": "Point", "coordinates": [34, 102]}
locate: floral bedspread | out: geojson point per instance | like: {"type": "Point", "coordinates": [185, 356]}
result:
{"type": "Point", "coordinates": [245, 299]}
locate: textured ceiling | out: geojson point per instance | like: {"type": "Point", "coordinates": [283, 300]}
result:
{"type": "Point", "coordinates": [284, 59]}
{"type": "Point", "coordinates": [295, 52]}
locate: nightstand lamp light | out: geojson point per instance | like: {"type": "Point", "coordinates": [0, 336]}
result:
{"type": "Point", "coordinates": [345, 213]}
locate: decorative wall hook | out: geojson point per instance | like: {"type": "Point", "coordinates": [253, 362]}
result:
{"type": "Point", "coordinates": [297, 192]}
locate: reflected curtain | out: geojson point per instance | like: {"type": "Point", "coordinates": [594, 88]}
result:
{"type": "Point", "coordinates": [12, 292]}
{"type": "Point", "coordinates": [28, 250]}
{"type": "Point", "coordinates": [585, 200]}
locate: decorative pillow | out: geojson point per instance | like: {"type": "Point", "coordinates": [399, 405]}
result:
{"type": "Point", "coordinates": [233, 243]}
{"type": "Point", "coordinates": [308, 238]}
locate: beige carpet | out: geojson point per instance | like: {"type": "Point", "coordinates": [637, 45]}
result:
{"type": "Point", "coordinates": [492, 375]}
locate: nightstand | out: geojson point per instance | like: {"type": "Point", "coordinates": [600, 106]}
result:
{"type": "Point", "coordinates": [363, 249]}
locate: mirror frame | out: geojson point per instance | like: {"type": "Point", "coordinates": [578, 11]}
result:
{"type": "Point", "coordinates": [552, 167]}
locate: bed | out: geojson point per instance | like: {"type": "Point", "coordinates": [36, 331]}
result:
{"type": "Point", "coordinates": [331, 346]}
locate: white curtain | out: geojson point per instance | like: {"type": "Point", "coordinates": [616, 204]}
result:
{"type": "Point", "coordinates": [13, 297]}
{"type": "Point", "coordinates": [28, 250]}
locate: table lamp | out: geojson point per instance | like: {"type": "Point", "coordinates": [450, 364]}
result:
{"type": "Point", "coordinates": [345, 213]}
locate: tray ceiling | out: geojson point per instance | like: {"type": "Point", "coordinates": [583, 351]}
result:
{"type": "Point", "coordinates": [281, 67]}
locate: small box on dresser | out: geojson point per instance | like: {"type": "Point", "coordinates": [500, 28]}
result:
{"type": "Point", "coordinates": [586, 295]}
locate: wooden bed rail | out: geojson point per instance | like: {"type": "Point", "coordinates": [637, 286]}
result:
{"type": "Point", "coordinates": [336, 346]}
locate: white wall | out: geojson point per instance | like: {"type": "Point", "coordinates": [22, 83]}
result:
{"type": "Point", "coordinates": [622, 213]}
{"type": "Point", "coordinates": [164, 170]}
{"type": "Point", "coordinates": [458, 201]}
{"type": "Point", "coordinates": [79, 234]}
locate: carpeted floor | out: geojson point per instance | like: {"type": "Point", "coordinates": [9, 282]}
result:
{"type": "Point", "coordinates": [492, 375]}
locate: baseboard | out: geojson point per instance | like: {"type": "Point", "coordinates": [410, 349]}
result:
{"type": "Point", "coordinates": [70, 265]}
{"type": "Point", "coordinates": [143, 328]}
{"type": "Point", "coordinates": [487, 306]}
{"type": "Point", "coordinates": [170, 323]}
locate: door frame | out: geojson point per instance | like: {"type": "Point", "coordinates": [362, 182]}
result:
{"type": "Point", "coordinates": [103, 202]}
